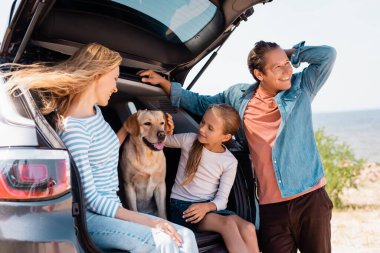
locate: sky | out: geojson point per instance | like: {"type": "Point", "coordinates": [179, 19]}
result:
{"type": "Point", "coordinates": [351, 26]}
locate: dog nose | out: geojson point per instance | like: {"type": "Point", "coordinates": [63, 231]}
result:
{"type": "Point", "coordinates": [161, 135]}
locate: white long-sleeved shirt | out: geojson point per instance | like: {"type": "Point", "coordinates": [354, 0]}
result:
{"type": "Point", "coordinates": [95, 149]}
{"type": "Point", "coordinates": [213, 179]}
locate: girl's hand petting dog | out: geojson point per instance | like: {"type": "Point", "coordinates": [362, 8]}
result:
{"type": "Point", "coordinates": [196, 212]}
{"type": "Point", "coordinates": [169, 128]}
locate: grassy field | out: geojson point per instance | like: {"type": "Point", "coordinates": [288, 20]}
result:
{"type": "Point", "coordinates": [356, 227]}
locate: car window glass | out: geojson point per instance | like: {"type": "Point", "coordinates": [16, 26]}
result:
{"type": "Point", "coordinates": [182, 18]}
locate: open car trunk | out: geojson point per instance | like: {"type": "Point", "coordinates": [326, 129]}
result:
{"type": "Point", "coordinates": [167, 37]}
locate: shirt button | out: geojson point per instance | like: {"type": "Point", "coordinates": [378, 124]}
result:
{"type": "Point", "coordinates": [274, 161]}
{"type": "Point", "coordinates": [279, 181]}
{"type": "Point", "coordinates": [295, 96]}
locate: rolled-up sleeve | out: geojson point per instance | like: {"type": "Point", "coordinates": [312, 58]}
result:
{"type": "Point", "coordinates": [321, 60]}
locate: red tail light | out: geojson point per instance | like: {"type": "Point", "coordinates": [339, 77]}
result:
{"type": "Point", "coordinates": [30, 173]}
{"type": "Point", "coordinates": [33, 174]}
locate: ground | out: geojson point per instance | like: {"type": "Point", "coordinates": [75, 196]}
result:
{"type": "Point", "coordinates": [356, 227]}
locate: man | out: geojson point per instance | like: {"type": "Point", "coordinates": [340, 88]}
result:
{"type": "Point", "coordinates": [295, 210]}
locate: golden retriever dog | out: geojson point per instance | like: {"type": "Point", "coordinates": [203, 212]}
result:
{"type": "Point", "coordinates": [143, 163]}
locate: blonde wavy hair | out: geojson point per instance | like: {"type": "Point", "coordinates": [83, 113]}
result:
{"type": "Point", "coordinates": [57, 86]}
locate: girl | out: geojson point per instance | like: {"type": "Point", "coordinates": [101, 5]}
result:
{"type": "Point", "coordinates": [205, 175]}
{"type": "Point", "coordinates": [73, 90]}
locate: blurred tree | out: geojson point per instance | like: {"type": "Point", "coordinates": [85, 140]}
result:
{"type": "Point", "coordinates": [340, 164]}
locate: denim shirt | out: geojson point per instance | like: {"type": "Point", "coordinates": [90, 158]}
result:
{"type": "Point", "coordinates": [296, 161]}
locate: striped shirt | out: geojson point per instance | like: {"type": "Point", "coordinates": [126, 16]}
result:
{"type": "Point", "coordinates": [95, 149]}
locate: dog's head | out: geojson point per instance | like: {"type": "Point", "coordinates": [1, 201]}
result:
{"type": "Point", "coordinates": [148, 125]}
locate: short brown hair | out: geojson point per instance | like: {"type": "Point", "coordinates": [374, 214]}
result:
{"type": "Point", "coordinates": [256, 58]}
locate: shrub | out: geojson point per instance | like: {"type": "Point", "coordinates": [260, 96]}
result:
{"type": "Point", "coordinates": [340, 164]}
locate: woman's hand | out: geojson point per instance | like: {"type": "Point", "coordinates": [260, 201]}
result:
{"type": "Point", "coordinates": [169, 127]}
{"type": "Point", "coordinates": [151, 77]}
{"type": "Point", "coordinates": [163, 225]}
{"type": "Point", "coordinates": [196, 212]}
{"type": "Point", "coordinates": [169, 229]}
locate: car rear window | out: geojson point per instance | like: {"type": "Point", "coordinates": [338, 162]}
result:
{"type": "Point", "coordinates": [182, 19]}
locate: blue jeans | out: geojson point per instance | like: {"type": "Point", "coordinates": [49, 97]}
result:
{"type": "Point", "coordinates": [111, 233]}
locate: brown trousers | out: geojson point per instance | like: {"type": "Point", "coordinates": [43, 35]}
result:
{"type": "Point", "coordinates": [302, 223]}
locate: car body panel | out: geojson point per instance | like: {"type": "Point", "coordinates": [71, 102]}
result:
{"type": "Point", "coordinates": [43, 226]}
{"type": "Point", "coordinates": [16, 130]}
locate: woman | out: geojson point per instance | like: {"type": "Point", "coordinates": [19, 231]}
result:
{"type": "Point", "coordinates": [72, 91]}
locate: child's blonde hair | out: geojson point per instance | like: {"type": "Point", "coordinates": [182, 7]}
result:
{"type": "Point", "coordinates": [57, 86]}
{"type": "Point", "coordinates": [231, 124]}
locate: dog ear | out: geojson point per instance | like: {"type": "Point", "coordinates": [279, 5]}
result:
{"type": "Point", "coordinates": [132, 125]}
